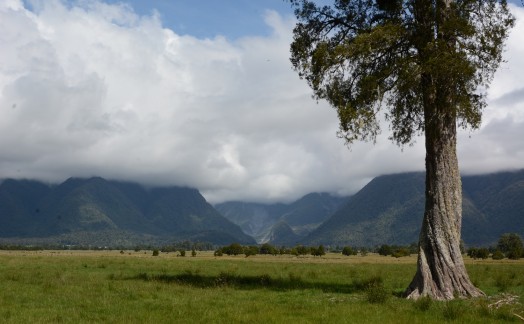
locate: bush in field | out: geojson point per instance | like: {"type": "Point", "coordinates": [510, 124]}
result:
{"type": "Point", "coordinates": [385, 249]}
{"type": "Point", "coordinates": [182, 252]}
{"type": "Point", "coordinates": [193, 253]}
{"type": "Point", "coordinates": [233, 249]}
{"type": "Point", "coordinates": [320, 251]}
{"type": "Point", "coordinates": [478, 253]}
{"type": "Point", "coordinates": [400, 252]}
{"type": "Point", "coordinates": [302, 250]}
{"type": "Point", "coordinates": [218, 252]}
{"type": "Point", "coordinates": [250, 250]}
{"type": "Point", "coordinates": [497, 255]}
{"type": "Point", "coordinates": [155, 252]}
{"type": "Point", "coordinates": [511, 245]}
{"type": "Point", "coordinates": [267, 248]}
{"type": "Point", "coordinates": [374, 289]}
{"type": "Point", "coordinates": [348, 250]}
{"type": "Point", "coordinates": [395, 250]}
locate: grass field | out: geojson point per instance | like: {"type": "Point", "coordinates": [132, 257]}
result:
{"type": "Point", "coordinates": [135, 287]}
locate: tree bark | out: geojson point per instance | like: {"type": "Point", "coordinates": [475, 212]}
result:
{"type": "Point", "coordinates": [441, 273]}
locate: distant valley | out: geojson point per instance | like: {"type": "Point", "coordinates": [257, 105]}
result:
{"type": "Point", "coordinates": [282, 224]}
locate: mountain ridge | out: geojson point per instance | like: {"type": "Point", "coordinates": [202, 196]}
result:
{"type": "Point", "coordinates": [390, 208]}
{"type": "Point", "coordinates": [35, 210]}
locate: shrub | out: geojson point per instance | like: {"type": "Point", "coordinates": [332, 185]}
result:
{"type": "Point", "coordinates": [193, 253]}
{"type": "Point", "coordinates": [511, 245]}
{"type": "Point", "coordinates": [267, 248]}
{"type": "Point", "coordinates": [320, 251]}
{"type": "Point", "coordinates": [385, 250]}
{"type": "Point", "coordinates": [423, 304]}
{"type": "Point", "coordinates": [302, 250]}
{"type": "Point", "coordinates": [250, 250]}
{"type": "Point", "coordinates": [375, 291]}
{"type": "Point", "coordinates": [233, 249]}
{"type": "Point", "coordinates": [347, 250]}
{"type": "Point", "coordinates": [182, 252]}
{"type": "Point", "coordinates": [400, 252]}
{"type": "Point", "coordinates": [155, 252]}
{"type": "Point", "coordinates": [497, 255]}
{"type": "Point", "coordinates": [478, 253]}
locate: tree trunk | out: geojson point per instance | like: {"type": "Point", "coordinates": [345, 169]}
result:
{"type": "Point", "coordinates": [441, 273]}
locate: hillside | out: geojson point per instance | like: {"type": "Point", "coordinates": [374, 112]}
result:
{"type": "Point", "coordinates": [95, 208]}
{"type": "Point", "coordinates": [389, 210]}
{"type": "Point", "coordinates": [294, 220]}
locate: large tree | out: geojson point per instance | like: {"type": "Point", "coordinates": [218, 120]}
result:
{"type": "Point", "coordinates": [425, 66]}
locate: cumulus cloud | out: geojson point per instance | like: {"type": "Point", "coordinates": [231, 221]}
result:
{"type": "Point", "coordinates": [96, 89]}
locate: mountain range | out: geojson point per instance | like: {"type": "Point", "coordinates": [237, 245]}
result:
{"type": "Point", "coordinates": [388, 210]}
{"type": "Point", "coordinates": [89, 211]}
{"type": "Point", "coordinates": [282, 224]}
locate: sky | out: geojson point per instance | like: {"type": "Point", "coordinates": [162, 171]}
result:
{"type": "Point", "coordinates": [201, 94]}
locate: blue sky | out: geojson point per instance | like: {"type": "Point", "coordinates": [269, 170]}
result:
{"type": "Point", "coordinates": [208, 18]}
{"type": "Point", "coordinates": [201, 94]}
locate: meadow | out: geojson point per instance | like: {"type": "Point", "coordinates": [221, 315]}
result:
{"type": "Point", "coordinates": [136, 287]}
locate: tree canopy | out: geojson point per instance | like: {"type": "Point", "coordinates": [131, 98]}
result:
{"type": "Point", "coordinates": [365, 55]}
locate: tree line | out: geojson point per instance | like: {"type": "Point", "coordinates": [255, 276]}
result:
{"type": "Point", "coordinates": [508, 246]}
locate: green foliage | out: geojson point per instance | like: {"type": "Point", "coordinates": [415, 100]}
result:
{"type": "Point", "coordinates": [233, 249]}
{"type": "Point", "coordinates": [319, 251]}
{"type": "Point", "coordinates": [395, 250]}
{"type": "Point", "coordinates": [251, 250]}
{"type": "Point", "coordinates": [374, 289]}
{"type": "Point", "coordinates": [497, 255]}
{"type": "Point", "coordinates": [347, 250]}
{"type": "Point", "coordinates": [155, 252]}
{"type": "Point", "coordinates": [193, 253]}
{"type": "Point", "coordinates": [182, 252]}
{"type": "Point", "coordinates": [511, 245]}
{"type": "Point", "coordinates": [301, 250]}
{"type": "Point", "coordinates": [267, 248]}
{"type": "Point", "coordinates": [478, 253]}
{"type": "Point", "coordinates": [360, 56]}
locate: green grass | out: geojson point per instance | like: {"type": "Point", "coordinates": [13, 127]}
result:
{"type": "Point", "coordinates": [110, 287]}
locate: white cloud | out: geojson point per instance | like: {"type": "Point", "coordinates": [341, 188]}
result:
{"type": "Point", "coordinates": [95, 89]}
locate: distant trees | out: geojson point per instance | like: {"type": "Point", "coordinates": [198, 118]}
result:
{"type": "Point", "coordinates": [348, 250]}
{"type": "Point", "coordinates": [266, 248]}
{"type": "Point", "coordinates": [396, 250]}
{"type": "Point", "coordinates": [478, 253]}
{"type": "Point", "coordinates": [233, 249]}
{"type": "Point", "coordinates": [511, 245]}
{"type": "Point", "coordinates": [320, 251]}
{"type": "Point", "coordinates": [251, 250]}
